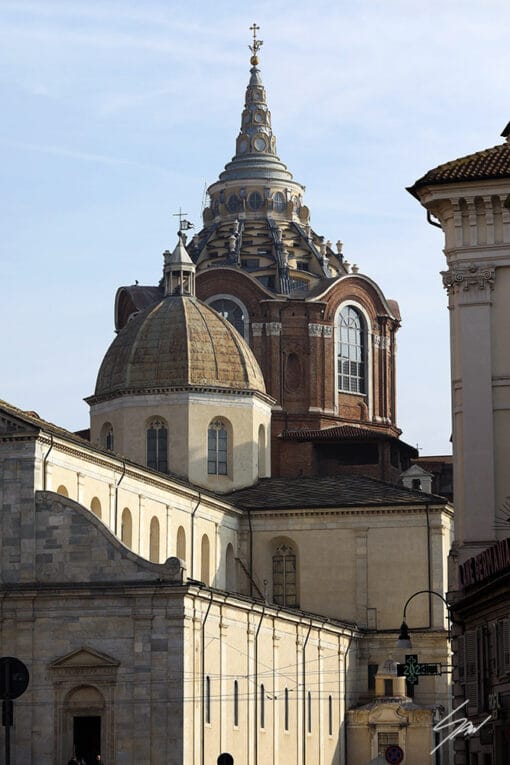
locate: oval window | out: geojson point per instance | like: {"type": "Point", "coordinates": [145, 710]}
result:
{"type": "Point", "coordinates": [255, 200]}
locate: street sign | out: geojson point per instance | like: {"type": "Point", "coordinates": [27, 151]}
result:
{"type": "Point", "coordinates": [14, 678]}
{"type": "Point", "coordinates": [412, 669]}
{"type": "Point", "coordinates": [394, 754]}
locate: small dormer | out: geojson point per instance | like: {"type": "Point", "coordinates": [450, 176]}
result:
{"type": "Point", "coordinates": [417, 478]}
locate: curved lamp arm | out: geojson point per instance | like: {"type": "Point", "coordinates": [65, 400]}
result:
{"type": "Point", "coordinates": [404, 639]}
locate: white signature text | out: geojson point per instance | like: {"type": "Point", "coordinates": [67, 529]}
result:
{"type": "Point", "coordinates": [461, 726]}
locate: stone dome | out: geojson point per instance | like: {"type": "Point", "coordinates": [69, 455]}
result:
{"type": "Point", "coordinates": [177, 343]}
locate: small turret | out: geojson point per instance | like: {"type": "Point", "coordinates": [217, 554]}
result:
{"type": "Point", "coordinates": [179, 270]}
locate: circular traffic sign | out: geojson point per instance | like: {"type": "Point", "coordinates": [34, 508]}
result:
{"type": "Point", "coordinates": [14, 677]}
{"type": "Point", "coordinates": [394, 754]}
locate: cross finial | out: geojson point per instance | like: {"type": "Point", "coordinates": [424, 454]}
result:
{"type": "Point", "coordinates": [184, 224]}
{"type": "Point", "coordinates": [256, 44]}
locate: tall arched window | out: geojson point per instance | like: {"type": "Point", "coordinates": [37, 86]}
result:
{"type": "Point", "coordinates": [126, 527]}
{"type": "Point", "coordinates": [230, 569]}
{"type": "Point", "coordinates": [205, 564]}
{"type": "Point", "coordinates": [107, 436]}
{"type": "Point", "coordinates": [262, 706]}
{"type": "Point", "coordinates": [95, 506]}
{"type": "Point", "coordinates": [157, 445]}
{"type": "Point", "coordinates": [62, 491]}
{"type": "Point", "coordinates": [180, 550]}
{"type": "Point", "coordinates": [154, 540]}
{"type": "Point", "coordinates": [262, 451]}
{"type": "Point", "coordinates": [217, 448]}
{"type": "Point", "coordinates": [207, 700]}
{"type": "Point", "coordinates": [236, 703]}
{"type": "Point", "coordinates": [351, 351]}
{"type": "Point", "coordinates": [284, 576]}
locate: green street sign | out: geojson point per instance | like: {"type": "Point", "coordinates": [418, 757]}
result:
{"type": "Point", "coordinates": [412, 669]}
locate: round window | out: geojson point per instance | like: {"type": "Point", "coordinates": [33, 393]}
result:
{"type": "Point", "coordinates": [233, 203]}
{"type": "Point", "coordinates": [259, 143]}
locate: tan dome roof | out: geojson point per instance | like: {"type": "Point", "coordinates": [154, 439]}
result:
{"type": "Point", "coordinates": [179, 342]}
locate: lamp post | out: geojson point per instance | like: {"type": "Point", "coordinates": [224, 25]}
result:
{"type": "Point", "coordinates": [404, 638]}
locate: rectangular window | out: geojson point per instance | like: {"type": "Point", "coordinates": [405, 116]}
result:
{"type": "Point", "coordinates": [388, 687]}
{"type": "Point", "coordinates": [384, 740]}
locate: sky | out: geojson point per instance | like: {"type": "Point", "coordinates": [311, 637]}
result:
{"type": "Point", "coordinates": [117, 114]}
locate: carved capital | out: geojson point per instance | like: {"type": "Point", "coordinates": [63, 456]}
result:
{"type": "Point", "coordinates": [274, 328]}
{"type": "Point", "coordinates": [327, 330]}
{"type": "Point", "coordinates": [315, 330]}
{"type": "Point", "coordinates": [380, 341]}
{"type": "Point", "coordinates": [469, 276]}
{"type": "Point", "coordinates": [257, 328]}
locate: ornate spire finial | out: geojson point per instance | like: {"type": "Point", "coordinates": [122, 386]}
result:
{"type": "Point", "coordinates": [254, 60]}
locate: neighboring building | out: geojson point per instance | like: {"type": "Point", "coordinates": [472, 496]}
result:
{"type": "Point", "coordinates": [470, 197]}
{"type": "Point", "coordinates": [172, 600]}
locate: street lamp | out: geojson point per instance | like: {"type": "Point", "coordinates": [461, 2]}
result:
{"type": "Point", "coordinates": [404, 639]}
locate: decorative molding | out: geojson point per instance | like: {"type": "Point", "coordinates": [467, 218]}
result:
{"type": "Point", "coordinates": [468, 276]}
{"type": "Point", "coordinates": [257, 328]}
{"type": "Point", "coordinates": [327, 330]}
{"type": "Point", "coordinates": [314, 330]}
{"type": "Point", "coordinates": [380, 341]}
{"type": "Point", "coordinates": [274, 328]}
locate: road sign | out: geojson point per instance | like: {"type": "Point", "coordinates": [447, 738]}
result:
{"type": "Point", "coordinates": [394, 754]}
{"type": "Point", "coordinates": [14, 678]}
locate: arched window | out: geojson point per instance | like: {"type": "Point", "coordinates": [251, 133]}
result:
{"type": "Point", "coordinates": [126, 527]}
{"type": "Point", "coordinates": [262, 451]}
{"type": "Point", "coordinates": [154, 540]}
{"type": "Point", "coordinates": [62, 491]}
{"type": "Point", "coordinates": [230, 569]}
{"type": "Point", "coordinates": [351, 351]}
{"type": "Point", "coordinates": [284, 576]}
{"type": "Point", "coordinates": [236, 703]}
{"type": "Point", "coordinates": [204, 560]}
{"type": "Point", "coordinates": [180, 549]}
{"type": "Point", "coordinates": [95, 506]}
{"type": "Point", "coordinates": [279, 202]}
{"type": "Point", "coordinates": [262, 706]}
{"type": "Point", "coordinates": [207, 700]}
{"type": "Point", "coordinates": [107, 436]}
{"type": "Point", "coordinates": [286, 710]}
{"type": "Point", "coordinates": [233, 312]}
{"type": "Point", "coordinates": [309, 698]}
{"type": "Point", "coordinates": [217, 448]}
{"type": "Point", "coordinates": [157, 445]}
{"type": "Point", "coordinates": [330, 715]}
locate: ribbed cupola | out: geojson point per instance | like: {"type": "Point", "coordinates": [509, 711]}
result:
{"type": "Point", "coordinates": [256, 219]}
{"type": "Point", "coordinates": [255, 180]}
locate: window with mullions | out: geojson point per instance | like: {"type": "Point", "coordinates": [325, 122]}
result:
{"type": "Point", "coordinates": [157, 446]}
{"type": "Point", "coordinates": [284, 576]}
{"type": "Point", "coordinates": [232, 312]}
{"type": "Point", "coordinates": [217, 445]}
{"type": "Point", "coordinates": [351, 351]}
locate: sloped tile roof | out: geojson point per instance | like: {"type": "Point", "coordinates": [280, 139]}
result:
{"type": "Point", "coordinates": [327, 491]}
{"type": "Point", "coordinates": [482, 165]}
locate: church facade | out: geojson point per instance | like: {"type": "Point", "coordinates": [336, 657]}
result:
{"type": "Point", "coordinates": [220, 565]}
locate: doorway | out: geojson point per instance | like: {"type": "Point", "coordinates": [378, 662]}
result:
{"type": "Point", "coordinates": [87, 738]}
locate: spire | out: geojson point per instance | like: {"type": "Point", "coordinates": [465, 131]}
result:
{"type": "Point", "coordinates": [256, 145]}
